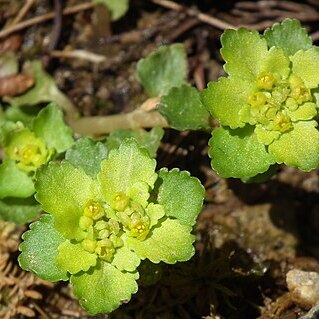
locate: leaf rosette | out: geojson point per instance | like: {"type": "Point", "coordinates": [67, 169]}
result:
{"type": "Point", "coordinates": [268, 103]}
{"type": "Point", "coordinates": [25, 150]}
{"type": "Point", "coordinates": [102, 227]}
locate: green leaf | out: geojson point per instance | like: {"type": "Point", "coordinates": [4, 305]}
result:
{"type": "Point", "coordinates": [306, 111]}
{"type": "Point", "coordinates": [183, 109]}
{"type": "Point", "coordinates": [163, 69]}
{"type": "Point", "coordinates": [180, 194]}
{"type": "Point", "coordinates": [237, 153]}
{"type": "Point", "coordinates": [276, 63]}
{"type": "Point", "coordinates": [44, 90]}
{"type": "Point", "coordinates": [14, 182]}
{"type": "Point", "coordinates": [288, 35]}
{"type": "Point", "coordinates": [104, 288]}
{"type": "Point", "coordinates": [39, 250]}
{"type": "Point", "coordinates": [244, 52]}
{"type": "Point", "coordinates": [263, 177]}
{"type": "Point", "coordinates": [125, 167]}
{"type": "Point", "coordinates": [19, 210]}
{"type": "Point", "coordinates": [150, 140]}
{"type": "Point", "coordinates": [169, 242]}
{"type": "Point", "coordinates": [155, 212]}
{"type": "Point", "coordinates": [305, 65]}
{"type": "Point", "coordinates": [63, 191]}
{"type": "Point", "coordinates": [8, 64]}
{"type": "Point", "coordinates": [87, 154]}
{"type": "Point", "coordinates": [125, 259]}
{"type": "Point", "coordinates": [226, 98]}
{"type": "Point", "coordinates": [24, 114]}
{"type": "Point", "coordinates": [73, 258]}
{"type": "Point", "coordinates": [265, 136]}
{"type": "Point", "coordinates": [117, 8]}
{"type": "Point", "coordinates": [50, 126]}
{"type": "Point", "coordinates": [299, 147]}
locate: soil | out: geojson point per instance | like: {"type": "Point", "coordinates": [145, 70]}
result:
{"type": "Point", "coordinates": [248, 236]}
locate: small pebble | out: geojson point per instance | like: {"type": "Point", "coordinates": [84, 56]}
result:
{"type": "Point", "coordinates": [303, 287]}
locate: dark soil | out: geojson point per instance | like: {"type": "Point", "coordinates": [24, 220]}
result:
{"type": "Point", "coordinates": [248, 236]}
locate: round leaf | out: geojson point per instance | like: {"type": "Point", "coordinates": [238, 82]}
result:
{"type": "Point", "coordinates": [63, 191]}
{"type": "Point", "coordinates": [163, 69]}
{"type": "Point", "coordinates": [103, 288]}
{"type": "Point", "coordinates": [183, 109]}
{"type": "Point", "coordinates": [14, 182]}
{"type": "Point", "coordinates": [50, 126]}
{"type": "Point", "coordinates": [288, 35]}
{"type": "Point", "coordinates": [39, 250]}
{"type": "Point", "coordinates": [170, 242]}
{"type": "Point", "coordinates": [225, 99]}
{"type": "Point", "coordinates": [299, 147]}
{"type": "Point", "coordinates": [237, 153]}
{"type": "Point", "coordinates": [19, 210]}
{"type": "Point", "coordinates": [180, 194]}
{"type": "Point", "coordinates": [125, 167]}
{"type": "Point", "coordinates": [244, 52]}
{"type": "Point", "coordinates": [73, 258]}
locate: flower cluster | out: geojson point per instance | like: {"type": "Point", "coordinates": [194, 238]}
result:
{"type": "Point", "coordinates": [268, 104]}
{"type": "Point", "coordinates": [99, 229]}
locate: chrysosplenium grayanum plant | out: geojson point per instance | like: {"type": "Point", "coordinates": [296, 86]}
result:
{"type": "Point", "coordinates": [268, 104]}
{"type": "Point", "coordinates": [99, 229]}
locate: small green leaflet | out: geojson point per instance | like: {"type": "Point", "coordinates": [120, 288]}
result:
{"type": "Point", "coordinates": [39, 250]}
{"type": "Point", "coordinates": [163, 69]}
{"type": "Point", "coordinates": [117, 8]}
{"type": "Point", "coordinates": [183, 109]}
{"type": "Point", "coordinates": [150, 140]}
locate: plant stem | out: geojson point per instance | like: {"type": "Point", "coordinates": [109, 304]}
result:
{"type": "Point", "coordinates": [99, 125]}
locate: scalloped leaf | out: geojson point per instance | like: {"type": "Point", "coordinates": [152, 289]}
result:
{"type": "Point", "coordinates": [23, 114]}
{"type": "Point", "coordinates": [183, 109]}
{"type": "Point", "coordinates": [237, 153]}
{"type": "Point", "coordinates": [117, 8]}
{"type": "Point", "coordinates": [44, 90]}
{"type": "Point", "coordinates": [19, 210]}
{"type": "Point", "coordinates": [14, 182]}
{"type": "Point", "coordinates": [299, 147]}
{"type": "Point", "coordinates": [63, 191]}
{"type": "Point", "coordinates": [87, 154]}
{"type": "Point", "coordinates": [305, 64]}
{"type": "Point", "coordinates": [39, 250]}
{"type": "Point", "coordinates": [163, 69]}
{"type": "Point", "coordinates": [226, 98]}
{"type": "Point", "coordinates": [73, 258]}
{"type": "Point", "coordinates": [125, 167]}
{"type": "Point", "coordinates": [244, 52]}
{"type": "Point", "coordinates": [169, 242]}
{"type": "Point", "coordinates": [187, 192]}
{"type": "Point", "coordinates": [104, 288]}
{"type": "Point", "coordinates": [50, 126]}
{"type": "Point", "coordinates": [288, 35]}
{"type": "Point", "coordinates": [150, 140]}
{"type": "Point", "coordinates": [125, 259]}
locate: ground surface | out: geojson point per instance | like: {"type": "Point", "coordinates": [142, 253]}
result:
{"type": "Point", "coordinates": [248, 236]}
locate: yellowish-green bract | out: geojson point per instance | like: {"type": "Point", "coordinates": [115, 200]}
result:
{"type": "Point", "coordinates": [268, 104]}
{"type": "Point", "coordinates": [99, 229]}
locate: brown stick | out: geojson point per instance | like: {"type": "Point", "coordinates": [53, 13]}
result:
{"type": "Point", "coordinates": [217, 23]}
{"type": "Point", "coordinates": [45, 17]}
{"type": "Point", "coordinates": [28, 4]}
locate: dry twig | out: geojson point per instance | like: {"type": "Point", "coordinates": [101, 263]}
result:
{"type": "Point", "coordinates": [217, 23]}
{"type": "Point", "coordinates": [48, 16]}
{"type": "Point", "coordinates": [23, 11]}
{"type": "Point", "coordinates": [79, 54]}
